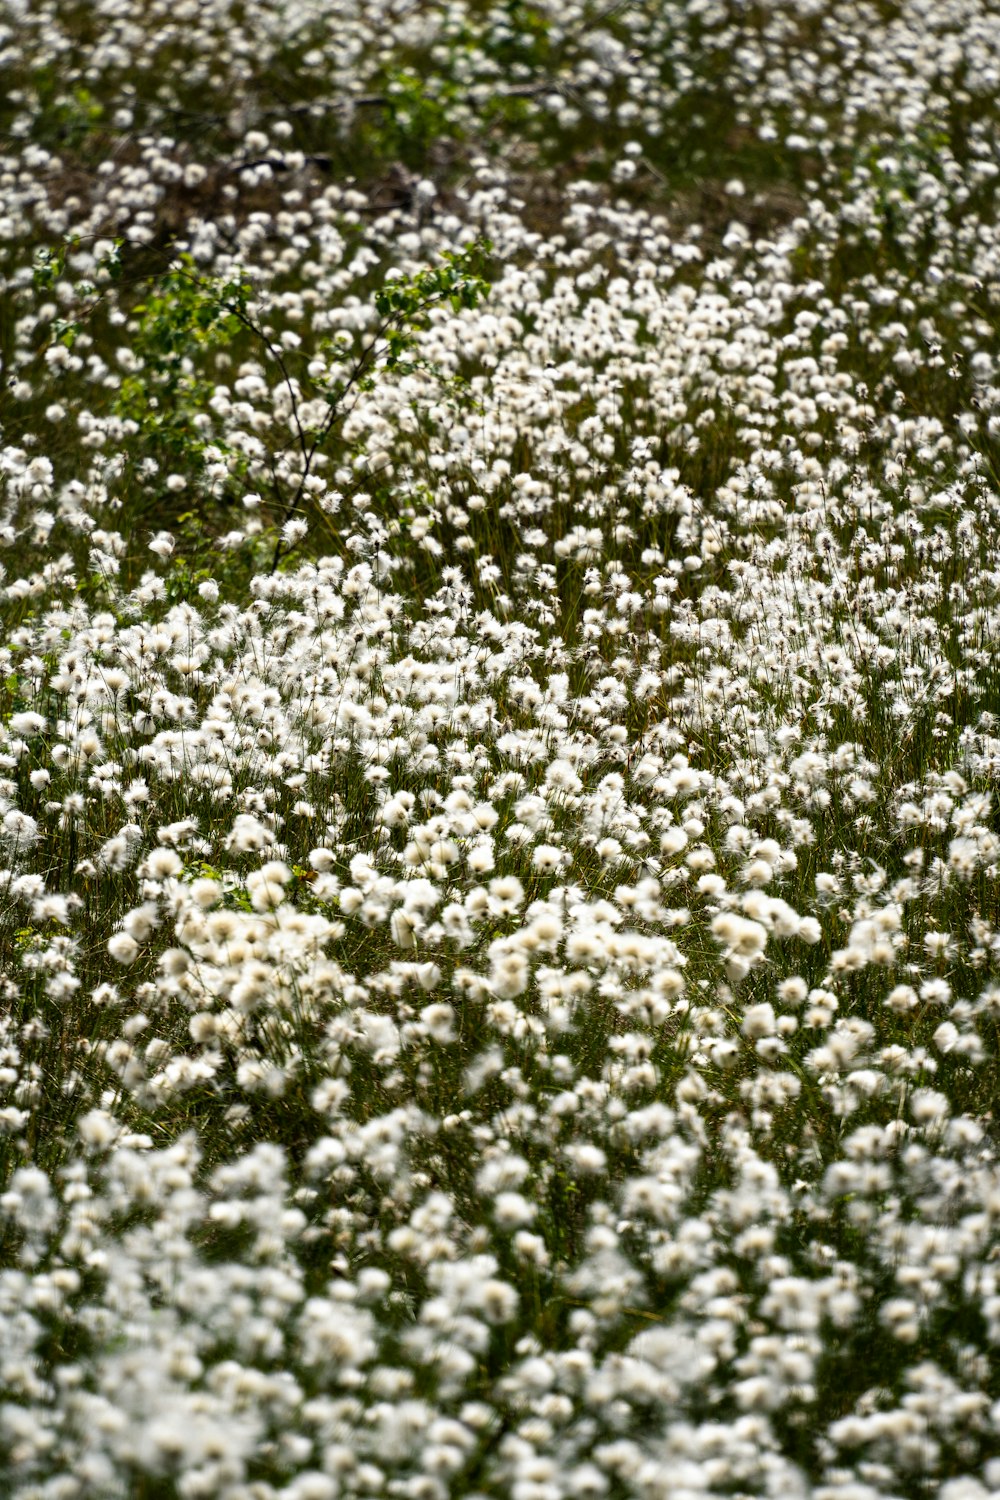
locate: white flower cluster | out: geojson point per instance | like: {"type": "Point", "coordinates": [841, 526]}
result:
{"type": "Point", "coordinates": [499, 938]}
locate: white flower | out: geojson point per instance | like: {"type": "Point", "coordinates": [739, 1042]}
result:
{"type": "Point", "coordinates": [503, 1171]}
{"type": "Point", "coordinates": [793, 992]}
{"type": "Point", "coordinates": [160, 864]}
{"type": "Point", "coordinates": [248, 834]}
{"type": "Point", "coordinates": [759, 1021]}
{"type": "Point", "coordinates": [513, 1211]}
{"type": "Point", "coordinates": [19, 830]}
{"type": "Point", "coordinates": [498, 1301]}
{"type": "Point", "coordinates": [743, 938]}
{"type": "Point", "coordinates": [26, 723]}
{"type": "Point", "coordinates": [586, 1158]}
{"type": "Point", "coordinates": [404, 926]}
{"type": "Point", "coordinates": [439, 1019]}
{"type": "Point", "coordinates": [506, 895]}
{"type": "Point", "coordinates": [123, 948]}
{"type": "Point", "coordinates": [205, 892]}
{"type": "Point", "coordinates": [96, 1128]}
{"type": "Point", "coordinates": [927, 1107]}
{"type": "Point", "coordinates": [141, 921]}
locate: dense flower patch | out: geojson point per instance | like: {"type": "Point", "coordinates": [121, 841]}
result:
{"type": "Point", "coordinates": [499, 862]}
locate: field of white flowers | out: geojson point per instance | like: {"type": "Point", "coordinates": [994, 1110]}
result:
{"type": "Point", "coordinates": [499, 733]}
